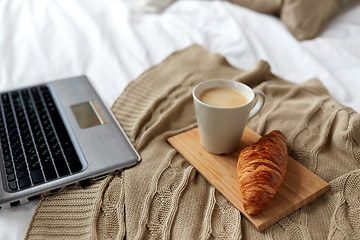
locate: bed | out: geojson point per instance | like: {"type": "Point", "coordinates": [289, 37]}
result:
{"type": "Point", "coordinates": [113, 42]}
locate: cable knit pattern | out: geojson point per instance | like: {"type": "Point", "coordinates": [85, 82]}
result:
{"type": "Point", "coordinates": [166, 198]}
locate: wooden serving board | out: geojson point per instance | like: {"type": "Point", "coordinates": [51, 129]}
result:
{"type": "Point", "coordinates": [300, 185]}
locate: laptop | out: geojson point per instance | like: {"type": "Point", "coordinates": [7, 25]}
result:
{"type": "Point", "coordinates": [56, 136]}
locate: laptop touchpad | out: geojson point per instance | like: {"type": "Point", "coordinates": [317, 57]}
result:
{"type": "Point", "coordinates": [88, 114]}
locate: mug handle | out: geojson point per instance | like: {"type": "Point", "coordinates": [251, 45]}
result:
{"type": "Point", "coordinates": [258, 104]}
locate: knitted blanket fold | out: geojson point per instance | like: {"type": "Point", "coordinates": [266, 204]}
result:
{"type": "Point", "coordinates": [166, 198]}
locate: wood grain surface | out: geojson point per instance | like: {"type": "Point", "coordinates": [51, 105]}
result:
{"type": "Point", "coordinates": [300, 185]}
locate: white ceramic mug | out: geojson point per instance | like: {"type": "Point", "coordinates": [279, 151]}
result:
{"type": "Point", "coordinates": [221, 128]}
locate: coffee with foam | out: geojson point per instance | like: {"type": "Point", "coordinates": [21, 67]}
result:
{"type": "Point", "coordinates": [223, 97]}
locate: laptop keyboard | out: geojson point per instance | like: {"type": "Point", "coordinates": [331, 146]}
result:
{"type": "Point", "coordinates": [35, 144]}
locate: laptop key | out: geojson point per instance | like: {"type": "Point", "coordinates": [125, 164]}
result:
{"type": "Point", "coordinates": [20, 166]}
{"type": "Point", "coordinates": [46, 160]}
{"type": "Point", "coordinates": [24, 182]}
{"type": "Point", "coordinates": [37, 176]}
{"type": "Point", "coordinates": [74, 163]}
{"type": "Point", "coordinates": [8, 164]}
{"type": "Point", "coordinates": [9, 170]}
{"type": "Point", "coordinates": [6, 151]}
{"type": "Point", "coordinates": [12, 185]}
{"type": "Point", "coordinates": [11, 177]}
{"type": "Point", "coordinates": [22, 173]}
{"type": "Point", "coordinates": [7, 158]}
{"type": "Point", "coordinates": [34, 165]}
{"type": "Point", "coordinates": [61, 165]}
{"type": "Point", "coordinates": [49, 172]}
{"type": "Point", "coordinates": [5, 97]}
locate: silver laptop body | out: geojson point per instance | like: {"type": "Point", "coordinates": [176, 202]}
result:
{"type": "Point", "coordinates": [97, 141]}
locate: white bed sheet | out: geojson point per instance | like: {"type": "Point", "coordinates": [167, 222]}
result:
{"type": "Point", "coordinates": [44, 40]}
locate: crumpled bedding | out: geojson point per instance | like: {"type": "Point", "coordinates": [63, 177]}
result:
{"type": "Point", "coordinates": [113, 44]}
{"type": "Point", "coordinates": [305, 19]}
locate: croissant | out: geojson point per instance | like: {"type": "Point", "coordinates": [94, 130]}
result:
{"type": "Point", "coordinates": [261, 168]}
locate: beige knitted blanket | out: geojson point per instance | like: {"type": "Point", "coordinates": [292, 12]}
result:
{"type": "Point", "coordinates": [166, 198]}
